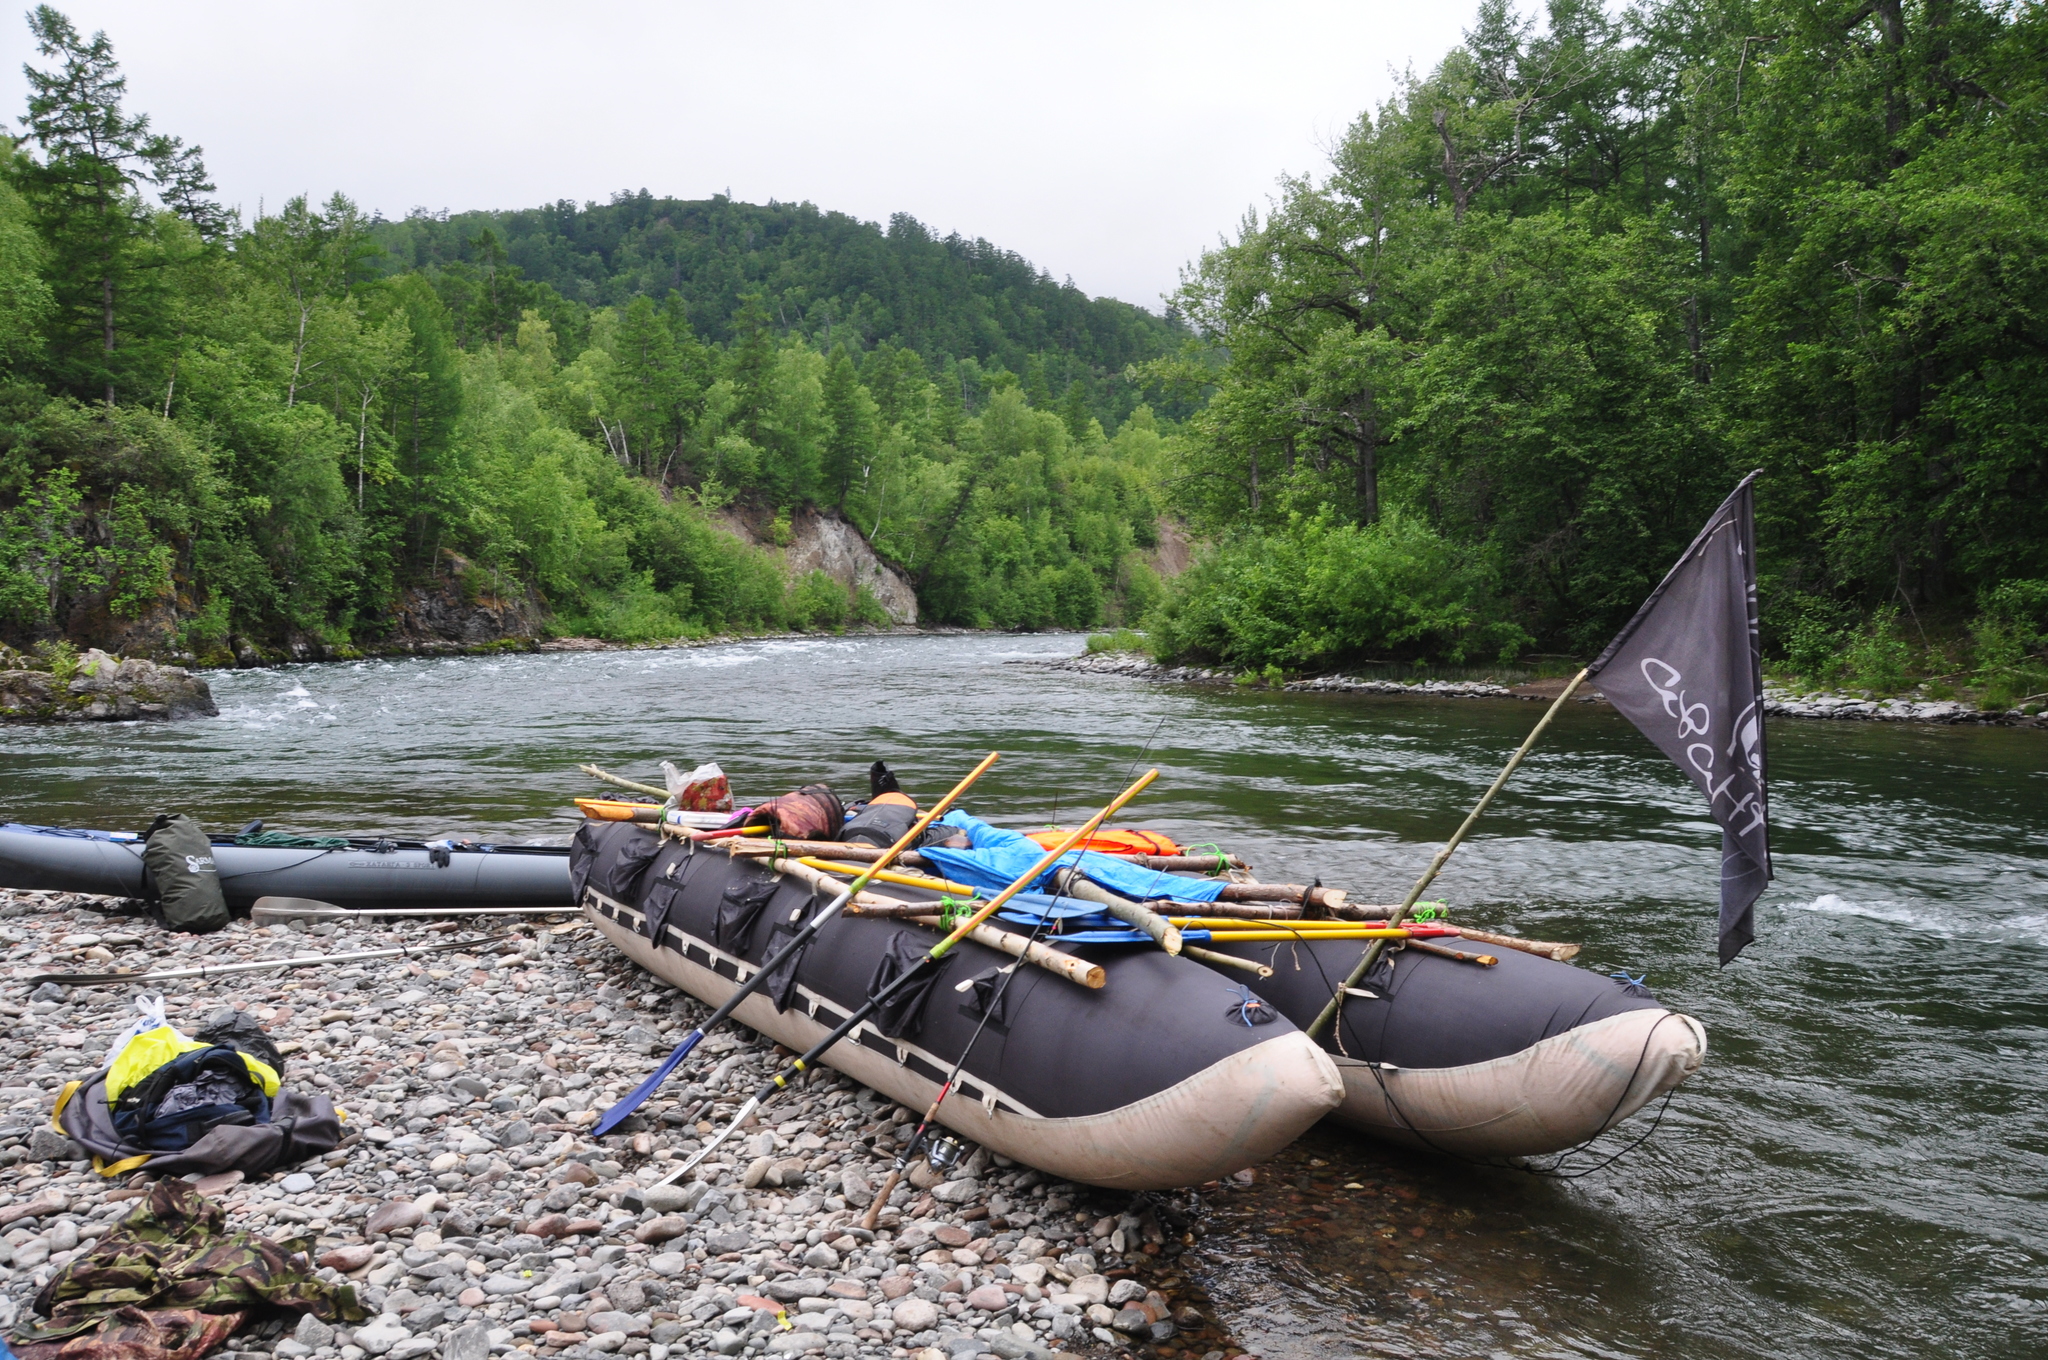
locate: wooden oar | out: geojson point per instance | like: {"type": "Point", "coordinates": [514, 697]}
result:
{"type": "Point", "coordinates": [925, 914]}
{"type": "Point", "coordinates": [938, 951]}
{"type": "Point", "coordinates": [1202, 955]}
{"type": "Point", "coordinates": [1300, 927]}
{"type": "Point", "coordinates": [1022, 947]}
{"type": "Point", "coordinates": [1459, 955]}
{"type": "Point", "coordinates": [1073, 883]}
{"type": "Point", "coordinates": [633, 1100]}
{"type": "Point", "coordinates": [1325, 899]}
{"type": "Point", "coordinates": [1549, 949]}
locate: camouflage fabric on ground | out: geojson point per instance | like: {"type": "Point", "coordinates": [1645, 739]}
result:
{"type": "Point", "coordinates": [170, 1283]}
{"type": "Point", "coordinates": [133, 1334]}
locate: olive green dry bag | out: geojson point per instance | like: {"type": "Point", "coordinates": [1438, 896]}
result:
{"type": "Point", "coordinates": [179, 860]}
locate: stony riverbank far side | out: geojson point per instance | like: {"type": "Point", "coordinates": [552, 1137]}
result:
{"type": "Point", "coordinates": [1778, 702]}
{"type": "Point", "coordinates": [477, 1217]}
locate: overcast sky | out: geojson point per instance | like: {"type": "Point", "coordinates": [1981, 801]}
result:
{"type": "Point", "coordinates": [1106, 142]}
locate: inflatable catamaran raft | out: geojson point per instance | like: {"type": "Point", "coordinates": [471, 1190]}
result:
{"type": "Point", "coordinates": [1163, 1076]}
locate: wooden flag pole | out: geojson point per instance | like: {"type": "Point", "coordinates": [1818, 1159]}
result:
{"type": "Point", "coordinates": [1378, 947]}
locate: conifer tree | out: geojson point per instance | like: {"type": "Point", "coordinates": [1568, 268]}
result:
{"type": "Point", "coordinates": [84, 191]}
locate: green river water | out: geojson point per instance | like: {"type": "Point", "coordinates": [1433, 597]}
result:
{"type": "Point", "coordinates": [1860, 1169]}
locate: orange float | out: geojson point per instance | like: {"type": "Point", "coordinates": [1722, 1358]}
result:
{"type": "Point", "coordinates": [1108, 841]}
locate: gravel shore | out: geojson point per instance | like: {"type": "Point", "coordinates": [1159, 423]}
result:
{"type": "Point", "coordinates": [476, 1216]}
{"type": "Point", "coordinates": [1778, 703]}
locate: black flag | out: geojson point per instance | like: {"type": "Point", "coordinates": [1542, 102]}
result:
{"type": "Point", "coordinates": [1688, 672]}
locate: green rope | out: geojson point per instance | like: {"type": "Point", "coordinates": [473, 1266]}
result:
{"type": "Point", "coordinates": [285, 840]}
{"type": "Point", "coordinates": [1429, 911]}
{"type": "Point", "coordinates": [1222, 860]}
{"type": "Point", "coordinates": [952, 911]}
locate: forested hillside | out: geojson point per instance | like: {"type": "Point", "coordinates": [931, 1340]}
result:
{"type": "Point", "coordinates": [1477, 386]}
{"type": "Point", "coordinates": [278, 434]}
{"type": "Point", "coordinates": [823, 275]}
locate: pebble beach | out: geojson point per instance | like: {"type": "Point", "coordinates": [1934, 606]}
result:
{"type": "Point", "coordinates": [477, 1217]}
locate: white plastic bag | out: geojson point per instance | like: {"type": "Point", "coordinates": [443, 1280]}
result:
{"type": "Point", "coordinates": [152, 1017]}
{"type": "Point", "coordinates": [703, 789]}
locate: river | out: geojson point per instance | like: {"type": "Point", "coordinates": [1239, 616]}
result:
{"type": "Point", "coordinates": [1861, 1168]}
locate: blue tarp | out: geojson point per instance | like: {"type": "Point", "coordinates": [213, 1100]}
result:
{"type": "Point", "coordinates": [1033, 907]}
{"type": "Point", "coordinates": [1077, 921]}
{"type": "Point", "coordinates": [996, 858]}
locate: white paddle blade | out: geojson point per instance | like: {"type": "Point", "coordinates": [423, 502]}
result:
{"type": "Point", "coordinates": [280, 910]}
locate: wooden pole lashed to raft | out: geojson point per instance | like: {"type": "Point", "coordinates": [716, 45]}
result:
{"type": "Point", "coordinates": [1379, 947]}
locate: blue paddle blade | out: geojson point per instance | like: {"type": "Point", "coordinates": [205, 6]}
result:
{"type": "Point", "coordinates": [617, 1114]}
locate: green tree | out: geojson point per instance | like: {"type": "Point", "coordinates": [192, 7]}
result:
{"type": "Point", "coordinates": [105, 254]}
{"type": "Point", "coordinates": [25, 299]}
{"type": "Point", "coordinates": [854, 415]}
{"type": "Point", "coordinates": [424, 398]}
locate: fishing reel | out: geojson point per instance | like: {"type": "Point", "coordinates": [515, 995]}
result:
{"type": "Point", "coordinates": [944, 1153]}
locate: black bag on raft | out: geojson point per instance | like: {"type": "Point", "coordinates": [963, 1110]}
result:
{"type": "Point", "coordinates": [669, 874]}
{"type": "Point", "coordinates": [903, 1013]}
{"type": "Point", "coordinates": [180, 877]}
{"type": "Point", "coordinates": [881, 824]}
{"type": "Point", "coordinates": [739, 906]}
{"type": "Point", "coordinates": [779, 986]}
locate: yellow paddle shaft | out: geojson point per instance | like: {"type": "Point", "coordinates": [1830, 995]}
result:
{"type": "Point", "coordinates": [1045, 861]}
{"type": "Point", "coordinates": [887, 876]}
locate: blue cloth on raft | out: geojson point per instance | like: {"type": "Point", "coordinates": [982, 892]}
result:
{"type": "Point", "coordinates": [996, 858]}
{"type": "Point", "coordinates": [1076, 921]}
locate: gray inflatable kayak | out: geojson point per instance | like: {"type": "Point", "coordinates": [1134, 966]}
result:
{"type": "Point", "coordinates": [367, 873]}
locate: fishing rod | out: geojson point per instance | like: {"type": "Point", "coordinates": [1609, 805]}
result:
{"type": "Point", "coordinates": [634, 1099]}
{"type": "Point", "coordinates": [917, 1137]}
{"type": "Point", "coordinates": [803, 1063]}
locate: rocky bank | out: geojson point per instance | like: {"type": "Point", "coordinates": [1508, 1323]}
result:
{"type": "Point", "coordinates": [830, 544]}
{"type": "Point", "coordinates": [104, 688]}
{"type": "Point", "coordinates": [1780, 703]}
{"type": "Point", "coordinates": [477, 1217]}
